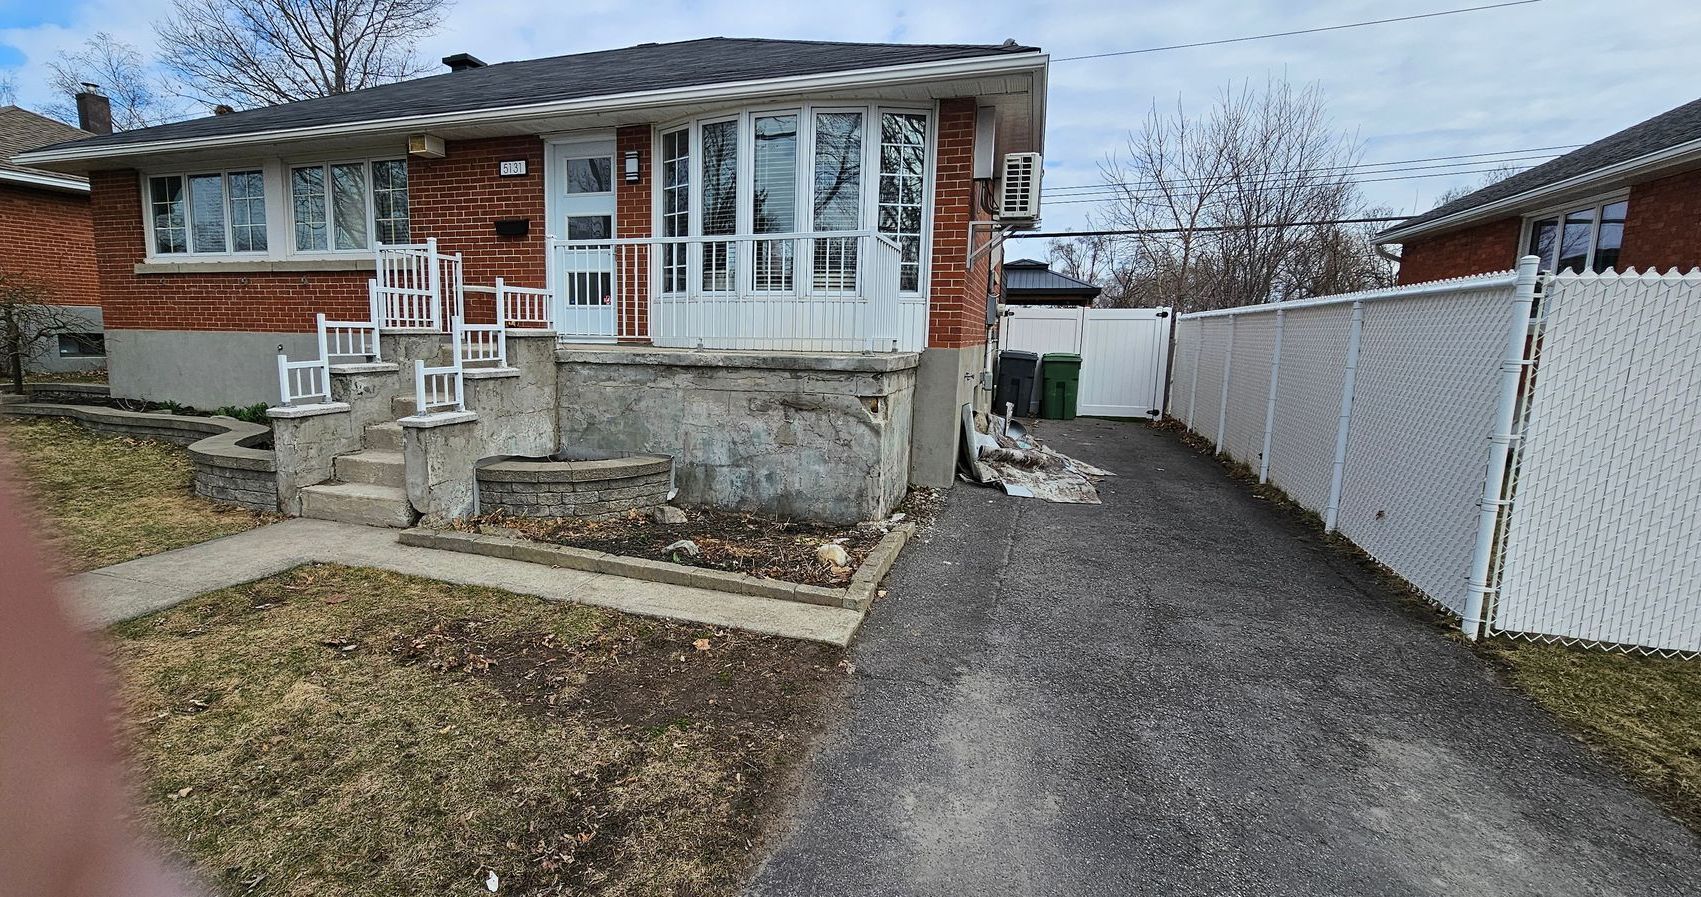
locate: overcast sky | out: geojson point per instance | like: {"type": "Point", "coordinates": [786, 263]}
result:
{"type": "Point", "coordinates": [1549, 73]}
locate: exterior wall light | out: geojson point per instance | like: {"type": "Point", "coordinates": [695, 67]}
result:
{"type": "Point", "coordinates": [631, 166]}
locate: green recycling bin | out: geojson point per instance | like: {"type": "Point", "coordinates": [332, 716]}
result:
{"type": "Point", "coordinates": [1061, 372]}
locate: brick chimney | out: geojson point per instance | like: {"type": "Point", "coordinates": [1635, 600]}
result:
{"type": "Point", "coordinates": [94, 110]}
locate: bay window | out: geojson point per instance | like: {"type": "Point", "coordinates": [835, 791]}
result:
{"type": "Point", "coordinates": [811, 170]}
{"type": "Point", "coordinates": [347, 206]}
{"type": "Point", "coordinates": [207, 213]}
{"type": "Point", "coordinates": [1585, 237]}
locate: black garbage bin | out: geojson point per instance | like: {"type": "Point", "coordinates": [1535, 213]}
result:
{"type": "Point", "coordinates": [1015, 386]}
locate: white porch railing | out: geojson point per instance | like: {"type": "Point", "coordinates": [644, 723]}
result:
{"type": "Point", "coordinates": [337, 339]}
{"type": "Point", "coordinates": [441, 388]}
{"type": "Point", "coordinates": [836, 292]}
{"type": "Point", "coordinates": [417, 287]}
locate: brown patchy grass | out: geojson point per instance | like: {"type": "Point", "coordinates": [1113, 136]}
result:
{"type": "Point", "coordinates": [1644, 713]}
{"type": "Point", "coordinates": [101, 499]}
{"type": "Point", "coordinates": [349, 731]}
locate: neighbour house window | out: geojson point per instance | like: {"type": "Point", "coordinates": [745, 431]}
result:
{"type": "Point", "coordinates": [784, 173]}
{"type": "Point", "coordinates": [207, 213]}
{"type": "Point", "coordinates": [343, 206]}
{"type": "Point", "coordinates": [1585, 238]}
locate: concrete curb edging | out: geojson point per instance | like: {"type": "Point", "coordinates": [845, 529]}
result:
{"type": "Point", "coordinates": [225, 469]}
{"type": "Point", "coordinates": [857, 596]}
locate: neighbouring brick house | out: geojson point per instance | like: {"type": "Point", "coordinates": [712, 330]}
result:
{"type": "Point", "coordinates": [716, 194]}
{"type": "Point", "coordinates": [1631, 200]}
{"type": "Point", "coordinates": [47, 236]}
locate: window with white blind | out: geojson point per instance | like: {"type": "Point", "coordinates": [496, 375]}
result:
{"type": "Point", "coordinates": [814, 169]}
{"type": "Point", "coordinates": [207, 213]}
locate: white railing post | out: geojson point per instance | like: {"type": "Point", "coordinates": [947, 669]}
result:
{"type": "Point", "coordinates": [1270, 404]}
{"type": "Point", "coordinates": [324, 354]}
{"type": "Point", "coordinates": [1495, 499]}
{"type": "Point", "coordinates": [283, 377]}
{"type": "Point", "coordinates": [420, 398]}
{"type": "Point", "coordinates": [1222, 401]}
{"type": "Point", "coordinates": [434, 282]}
{"type": "Point", "coordinates": [1349, 380]}
{"type": "Point", "coordinates": [375, 305]}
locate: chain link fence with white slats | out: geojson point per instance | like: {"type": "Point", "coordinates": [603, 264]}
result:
{"type": "Point", "coordinates": [1545, 485]}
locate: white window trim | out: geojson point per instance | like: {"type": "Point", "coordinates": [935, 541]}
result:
{"type": "Point", "coordinates": [224, 172]}
{"type": "Point", "coordinates": [287, 172]}
{"type": "Point", "coordinates": [1559, 211]}
{"type": "Point", "coordinates": [870, 195]}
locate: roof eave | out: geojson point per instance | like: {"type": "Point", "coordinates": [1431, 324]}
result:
{"type": "Point", "coordinates": [1001, 63]}
{"type": "Point", "coordinates": [1539, 196]}
{"type": "Point", "coordinates": [44, 180]}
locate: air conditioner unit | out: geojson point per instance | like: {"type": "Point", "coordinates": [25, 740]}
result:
{"type": "Point", "coordinates": [1021, 190]}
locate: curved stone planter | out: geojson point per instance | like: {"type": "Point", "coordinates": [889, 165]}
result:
{"type": "Point", "coordinates": [225, 469]}
{"type": "Point", "coordinates": [574, 488]}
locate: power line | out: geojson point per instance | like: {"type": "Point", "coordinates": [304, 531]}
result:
{"type": "Point", "coordinates": [1298, 174]}
{"type": "Point", "coordinates": [1409, 177]}
{"type": "Point", "coordinates": [1235, 40]}
{"type": "Point", "coordinates": [1195, 230]}
{"type": "Point", "coordinates": [1369, 165]}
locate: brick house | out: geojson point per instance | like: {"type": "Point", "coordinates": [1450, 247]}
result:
{"type": "Point", "coordinates": [1631, 200]}
{"type": "Point", "coordinates": [48, 236]}
{"type": "Point", "coordinates": [824, 199]}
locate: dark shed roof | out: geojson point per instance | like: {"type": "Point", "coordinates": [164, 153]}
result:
{"type": "Point", "coordinates": [646, 67]}
{"type": "Point", "coordinates": [1664, 131]}
{"type": "Point", "coordinates": [1030, 279]}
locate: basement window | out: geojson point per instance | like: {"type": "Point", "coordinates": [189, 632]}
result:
{"type": "Point", "coordinates": [82, 345]}
{"type": "Point", "coordinates": [1584, 237]}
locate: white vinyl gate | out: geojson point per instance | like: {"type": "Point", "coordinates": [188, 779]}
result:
{"type": "Point", "coordinates": [1123, 352]}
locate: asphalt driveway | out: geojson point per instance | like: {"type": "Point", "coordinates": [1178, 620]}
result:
{"type": "Point", "coordinates": [1183, 691]}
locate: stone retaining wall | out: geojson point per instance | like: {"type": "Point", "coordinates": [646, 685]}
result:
{"type": "Point", "coordinates": [225, 469]}
{"type": "Point", "coordinates": [574, 488]}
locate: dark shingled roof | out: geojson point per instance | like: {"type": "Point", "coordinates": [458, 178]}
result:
{"type": "Point", "coordinates": [21, 129]}
{"type": "Point", "coordinates": [1026, 277]}
{"type": "Point", "coordinates": [646, 67]}
{"type": "Point", "coordinates": [1663, 131]}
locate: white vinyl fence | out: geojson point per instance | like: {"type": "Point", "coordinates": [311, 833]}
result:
{"type": "Point", "coordinates": [1531, 473]}
{"type": "Point", "coordinates": [1123, 353]}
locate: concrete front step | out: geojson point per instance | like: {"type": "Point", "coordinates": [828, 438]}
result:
{"type": "Point", "coordinates": [384, 437]}
{"type": "Point", "coordinates": [402, 406]}
{"type": "Point", "coordinates": [361, 503]}
{"type": "Point", "coordinates": [373, 467]}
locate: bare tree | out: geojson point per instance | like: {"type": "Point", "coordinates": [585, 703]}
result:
{"type": "Point", "coordinates": [120, 72]}
{"type": "Point", "coordinates": [1222, 208]}
{"type": "Point", "coordinates": [263, 52]}
{"type": "Point", "coordinates": [1494, 176]}
{"type": "Point", "coordinates": [8, 89]}
{"type": "Point", "coordinates": [28, 321]}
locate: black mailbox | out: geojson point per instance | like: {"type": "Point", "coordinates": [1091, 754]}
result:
{"type": "Point", "coordinates": [513, 227]}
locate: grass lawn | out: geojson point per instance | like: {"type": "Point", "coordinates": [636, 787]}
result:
{"type": "Point", "coordinates": [104, 499]}
{"type": "Point", "coordinates": [349, 731]}
{"type": "Point", "coordinates": [1643, 712]}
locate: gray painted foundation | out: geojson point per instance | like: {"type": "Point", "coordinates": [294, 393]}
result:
{"type": "Point", "coordinates": [202, 368]}
{"type": "Point", "coordinates": [48, 360]}
{"type": "Point", "coordinates": [946, 380]}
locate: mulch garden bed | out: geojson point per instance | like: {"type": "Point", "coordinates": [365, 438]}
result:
{"type": "Point", "coordinates": [726, 540]}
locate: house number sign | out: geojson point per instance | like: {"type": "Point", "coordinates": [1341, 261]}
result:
{"type": "Point", "coordinates": [512, 168]}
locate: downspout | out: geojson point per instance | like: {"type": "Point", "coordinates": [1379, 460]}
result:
{"type": "Point", "coordinates": [1494, 498]}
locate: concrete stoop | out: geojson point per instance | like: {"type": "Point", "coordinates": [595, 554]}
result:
{"type": "Point", "coordinates": [361, 503]}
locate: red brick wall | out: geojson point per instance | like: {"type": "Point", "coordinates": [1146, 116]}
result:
{"type": "Point", "coordinates": [48, 236]}
{"type": "Point", "coordinates": [1478, 249]}
{"type": "Point", "coordinates": [634, 217]}
{"type": "Point", "coordinates": [1662, 228]}
{"type": "Point", "coordinates": [457, 199]}
{"type": "Point", "coordinates": [957, 294]}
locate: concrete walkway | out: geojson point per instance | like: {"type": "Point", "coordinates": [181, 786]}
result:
{"type": "Point", "coordinates": [137, 587]}
{"type": "Point", "coordinates": [1183, 692]}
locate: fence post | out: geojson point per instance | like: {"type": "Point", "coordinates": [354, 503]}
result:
{"type": "Point", "coordinates": [1270, 404]}
{"type": "Point", "coordinates": [1193, 388]}
{"type": "Point", "coordinates": [1222, 400]}
{"type": "Point", "coordinates": [1500, 441]}
{"type": "Point", "coordinates": [1349, 379]}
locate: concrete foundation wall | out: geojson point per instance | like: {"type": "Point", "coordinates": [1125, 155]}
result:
{"type": "Point", "coordinates": [813, 436]}
{"type": "Point", "coordinates": [48, 360]}
{"type": "Point", "coordinates": [946, 380]}
{"type": "Point", "coordinates": [202, 368]}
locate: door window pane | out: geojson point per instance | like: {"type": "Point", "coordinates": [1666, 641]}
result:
{"type": "Point", "coordinates": [247, 211]}
{"type": "Point", "coordinates": [589, 227]}
{"type": "Point", "coordinates": [1609, 238]}
{"type": "Point", "coordinates": [390, 200]}
{"type": "Point", "coordinates": [903, 170]}
{"type": "Point", "coordinates": [348, 206]}
{"type": "Point", "coordinates": [206, 212]}
{"type": "Point", "coordinates": [307, 198]}
{"type": "Point", "coordinates": [593, 175]}
{"type": "Point", "coordinates": [171, 231]}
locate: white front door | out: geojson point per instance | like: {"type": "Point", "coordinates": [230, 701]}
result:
{"type": "Point", "coordinates": [584, 268]}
